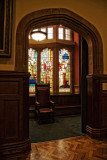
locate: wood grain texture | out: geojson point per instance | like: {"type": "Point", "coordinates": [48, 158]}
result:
{"type": "Point", "coordinates": [14, 115]}
{"type": "Point", "coordinates": [76, 148]}
{"type": "Point", "coordinates": [96, 109]}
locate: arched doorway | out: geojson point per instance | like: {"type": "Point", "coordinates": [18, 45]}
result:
{"type": "Point", "coordinates": [69, 19]}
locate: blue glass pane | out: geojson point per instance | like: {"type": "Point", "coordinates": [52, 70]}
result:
{"type": "Point", "coordinates": [65, 56]}
{"type": "Point", "coordinates": [32, 81]}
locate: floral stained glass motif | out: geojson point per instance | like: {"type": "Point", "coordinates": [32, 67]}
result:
{"type": "Point", "coordinates": [47, 67]}
{"type": "Point", "coordinates": [32, 68]}
{"type": "Point", "coordinates": [64, 71]}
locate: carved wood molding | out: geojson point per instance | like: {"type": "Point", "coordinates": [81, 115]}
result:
{"type": "Point", "coordinates": [6, 28]}
{"type": "Point", "coordinates": [15, 148]}
{"type": "Point", "coordinates": [67, 18]}
{"type": "Point", "coordinates": [52, 46]}
{"type": "Point", "coordinates": [96, 132]}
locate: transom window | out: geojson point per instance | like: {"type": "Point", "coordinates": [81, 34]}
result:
{"type": "Point", "coordinates": [67, 34]}
{"type": "Point", "coordinates": [60, 33]}
{"type": "Point", "coordinates": [43, 29]}
{"type": "Point", "coordinates": [50, 33]}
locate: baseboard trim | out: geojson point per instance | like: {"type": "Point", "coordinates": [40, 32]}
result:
{"type": "Point", "coordinates": [15, 148]}
{"type": "Point", "coordinates": [96, 132]}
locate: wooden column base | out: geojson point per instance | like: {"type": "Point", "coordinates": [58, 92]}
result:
{"type": "Point", "coordinates": [96, 132]}
{"type": "Point", "coordinates": [15, 148]}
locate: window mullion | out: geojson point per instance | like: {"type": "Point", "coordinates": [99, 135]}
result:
{"type": "Point", "coordinates": [55, 71]}
{"type": "Point", "coordinates": [71, 70]}
{"type": "Point", "coordinates": [38, 66]}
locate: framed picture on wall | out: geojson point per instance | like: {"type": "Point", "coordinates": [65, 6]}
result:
{"type": "Point", "coordinates": [5, 27]}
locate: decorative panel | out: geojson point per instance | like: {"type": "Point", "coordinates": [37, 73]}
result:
{"type": "Point", "coordinates": [9, 87]}
{"type": "Point", "coordinates": [11, 124]}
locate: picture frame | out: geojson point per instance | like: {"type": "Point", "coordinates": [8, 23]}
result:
{"type": "Point", "coordinates": [6, 9]}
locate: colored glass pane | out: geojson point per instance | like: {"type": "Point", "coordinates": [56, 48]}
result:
{"type": "Point", "coordinates": [64, 71]}
{"type": "Point", "coordinates": [47, 67]}
{"type": "Point", "coordinates": [32, 68]}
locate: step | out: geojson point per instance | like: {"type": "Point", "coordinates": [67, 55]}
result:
{"type": "Point", "coordinates": [67, 110]}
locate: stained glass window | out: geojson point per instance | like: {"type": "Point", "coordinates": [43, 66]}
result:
{"type": "Point", "coordinates": [32, 68]}
{"type": "Point", "coordinates": [47, 67]}
{"type": "Point", "coordinates": [50, 33]}
{"type": "Point", "coordinates": [60, 33]}
{"type": "Point", "coordinates": [64, 71]}
{"type": "Point", "coordinates": [46, 74]}
{"type": "Point", "coordinates": [67, 34]}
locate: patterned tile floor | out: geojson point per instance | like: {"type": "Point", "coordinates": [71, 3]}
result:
{"type": "Point", "coordinates": [76, 148]}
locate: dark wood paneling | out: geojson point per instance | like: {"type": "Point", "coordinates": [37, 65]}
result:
{"type": "Point", "coordinates": [2, 129]}
{"type": "Point", "coordinates": [97, 106]}
{"type": "Point", "coordinates": [104, 109]}
{"type": "Point", "coordinates": [11, 123]}
{"type": "Point", "coordinates": [14, 104]}
{"type": "Point", "coordinates": [67, 110]}
{"type": "Point", "coordinates": [68, 99]}
{"type": "Point", "coordinates": [7, 87]}
{"type": "Point", "coordinates": [64, 105]}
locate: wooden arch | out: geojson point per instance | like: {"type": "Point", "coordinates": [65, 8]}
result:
{"type": "Point", "coordinates": [67, 18]}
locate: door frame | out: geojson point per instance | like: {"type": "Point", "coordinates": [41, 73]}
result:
{"type": "Point", "coordinates": [56, 16]}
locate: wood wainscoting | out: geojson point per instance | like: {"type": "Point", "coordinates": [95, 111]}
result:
{"type": "Point", "coordinates": [65, 104]}
{"type": "Point", "coordinates": [97, 106]}
{"type": "Point", "coordinates": [14, 119]}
